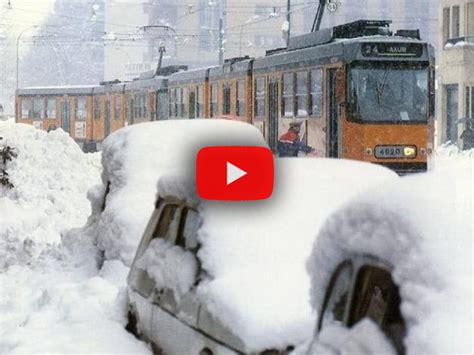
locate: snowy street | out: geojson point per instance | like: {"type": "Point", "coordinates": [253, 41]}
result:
{"type": "Point", "coordinates": [53, 298]}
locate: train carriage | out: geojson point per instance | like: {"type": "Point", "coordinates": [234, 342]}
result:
{"type": "Point", "coordinates": [359, 92]}
{"type": "Point", "coordinates": [48, 108]}
{"type": "Point", "coordinates": [189, 94]}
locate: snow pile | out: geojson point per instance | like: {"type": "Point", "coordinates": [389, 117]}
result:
{"type": "Point", "coordinates": [134, 158]}
{"type": "Point", "coordinates": [253, 253]}
{"type": "Point", "coordinates": [170, 266]}
{"type": "Point", "coordinates": [50, 176]}
{"type": "Point", "coordinates": [422, 226]}
{"type": "Point", "coordinates": [52, 298]}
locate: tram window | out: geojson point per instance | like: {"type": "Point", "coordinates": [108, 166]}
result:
{"type": "Point", "coordinates": [179, 98]}
{"type": "Point", "coordinates": [173, 103]}
{"type": "Point", "coordinates": [26, 108]}
{"type": "Point", "coordinates": [316, 105]}
{"type": "Point", "coordinates": [117, 108]}
{"type": "Point", "coordinates": [259, 97]}
{"type": "Point", "coordinates": [50, 108]}
{"type": "Point", "coordinates": [226, 102]}
{"type": "Point", "coordinates": [213, 100]}
{"type": "Point", "coordinates": [200, 101]}
{"type": "Point", "coordinates": [302, 94]}
{"type": "Point", "coordinates": [287, 95]}
{"type": "Point", "coordinates": [184, 100]}
{"type": "Point", "coordinates": [96, 108]}
{"type": "Point", "coordinates": [240, 107]}
{"type": "Point", "coordinates": [81, 109]}
{"type": "Point", "coordinates": [38, 108]}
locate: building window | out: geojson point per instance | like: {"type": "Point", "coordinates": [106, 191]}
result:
{"type": "Point", "coordinates": [81, 111]}
{"type": "Point", "coordinates": [470, 20]}
{"type": "Point", "coordinates": [213, 100]}
{"type": "Point", "coordinates": [50, 108]}
{"type": "Point", "coordinates": [455, 29]}
{"type": "Point", "coordinates": [96, 108]}
{"type": "Point", "coordinates": [240, 107]}
{"type": "Point", "coordinates": [451, 112]}
{"type": "Point", "coordinates": [446, 24]}
{"type": "Point", "coordinates": [469, 109]}
{"type": "Point", "coordinates": [288, 95]}
{"type": "Point", "coordinates": [259, 97]}
{"type": "Point", "coordinates": [117, 108]}
{"type": "Point", "coordinates": [226, 100]}
{"type": "Point", "coordinates": [316, 105]}
{"type": "Point", "coordinates": [208, 24]}
{"type": "Point", "coordinates": [302, 94]}
{"type": "Point", "coordinates": [26, 108]}
{"type": "Point", "coordinates": [200, 101]}
{"type": "Point", "coordinates": [38, 111]}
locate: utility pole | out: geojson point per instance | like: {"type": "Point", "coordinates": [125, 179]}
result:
{"type": "Point", "coordinates": [288, 19]}
{"type": "Point", "coordinates": [221, 31]}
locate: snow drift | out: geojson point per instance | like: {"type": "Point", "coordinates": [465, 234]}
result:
{"type": "Point", "coordinates": [423, 227]}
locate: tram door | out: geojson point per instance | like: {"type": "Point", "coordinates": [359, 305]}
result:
{"type": "Point", "coordinates": [107, 117]}
{"type": "Point", "coordinates": [66, 114]}
{"type": "Point", "coordinates": [332, 125]}
{"type": "Point", "coordinates": [273, 114]}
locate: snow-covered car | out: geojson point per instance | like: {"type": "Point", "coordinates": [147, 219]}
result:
{"type": "Point", "coordinates": [214, 277]}
{"type": "Point", "coordinates": [133, 159]}
{"type": "Point", "coordinates": [391, 272]}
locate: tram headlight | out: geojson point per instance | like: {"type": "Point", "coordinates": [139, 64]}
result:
{"type": "Point", "coordinates": [409, 152]}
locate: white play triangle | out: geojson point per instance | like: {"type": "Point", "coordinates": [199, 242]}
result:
{"type": "Point", "coordinates": [234, 173]}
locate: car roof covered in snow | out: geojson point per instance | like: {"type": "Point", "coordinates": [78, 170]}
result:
{"type": "Point", "coordinates": [135, 157]}
{"type": "Point", "coordinates": [255, 252]}
{"type": "Point", "coordinates": [421, 227]}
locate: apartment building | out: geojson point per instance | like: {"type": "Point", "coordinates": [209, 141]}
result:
{"type": "Point", "coordinates": [455, 69]}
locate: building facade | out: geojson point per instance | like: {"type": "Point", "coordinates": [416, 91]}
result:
{"type": "Point", "coordinates": [455, 69]}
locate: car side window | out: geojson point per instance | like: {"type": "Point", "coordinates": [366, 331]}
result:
{"type": "Point", "coordinates": [187, 234]}
{"type": "Point", "coordinates": [337, 296]}
{"type": "Point", "coordinates": [377, 297]}
{"type": "Point", "coordinates": [168, 223]}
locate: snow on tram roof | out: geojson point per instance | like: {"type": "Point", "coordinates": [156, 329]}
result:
{"type": "Point", "coordinates": [56, 90]}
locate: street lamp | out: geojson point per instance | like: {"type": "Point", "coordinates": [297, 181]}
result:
{"type": "Point", "coordinates": [18, 52]}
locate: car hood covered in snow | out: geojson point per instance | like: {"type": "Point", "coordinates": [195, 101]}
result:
{"type": "Point", "coordinates": [254, 253]}
{"type": "Point", "coordinates": [423, 227]}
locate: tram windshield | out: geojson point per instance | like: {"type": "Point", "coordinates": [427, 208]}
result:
{"type": "Point", "coordinates": [388, 93]}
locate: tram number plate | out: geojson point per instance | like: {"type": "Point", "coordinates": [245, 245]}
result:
{"type": "Point", "coordinates": [389, 151]}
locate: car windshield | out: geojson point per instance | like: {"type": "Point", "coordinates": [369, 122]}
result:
{"type": "Point", "coordinates": [388, 93]}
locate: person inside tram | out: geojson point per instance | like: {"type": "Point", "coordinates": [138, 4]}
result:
{"type": "Point", "coordinates": [290, 143]}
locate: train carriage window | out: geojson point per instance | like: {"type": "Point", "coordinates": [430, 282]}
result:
{"type": "Point", "coordinates": [259, 97]}
{"type": "Point", "coordinates": [213, 100]}
{"type": "Point", "coordinates": [316, 84]}
{"type": "Point", "coordinates": [226, 102]}
{"type": "Point", "coordinates": [96, 108]}
{"type": "Point", "coordinates": [240, 106]}
{"type": "Point", "coordinates": [184, 100]}
{"type": "Point", "coordinates": [287, 95]}
{"type": "Point", "coordinates": [81, 109]}
{"type": "Point", "coordinates": [302, 94]}
{"type": "Point", "coordinates": [117, 106]}
{"type": "Point", "coordinates": [38, 111]}
{"type": "Point", "coordinates": [51, 108]}
{"type": "Point", "coordinates": [200, 101]}
{"type": "Point", "coordinates": [145, 105]}
{"type": "Point", "coordinates": [179, 99]}
{"type": "Point", "coordinates": [26, 108]}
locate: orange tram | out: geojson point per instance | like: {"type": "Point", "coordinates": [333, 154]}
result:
{"type": "Point", "coordinates": [358, 90]}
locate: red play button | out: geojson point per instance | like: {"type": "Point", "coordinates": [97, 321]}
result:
{"type": "Point", "coordinates": [234, 173]}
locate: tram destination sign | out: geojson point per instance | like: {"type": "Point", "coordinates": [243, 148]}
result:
{"type": "Point", "coordinates": [392, 49]}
